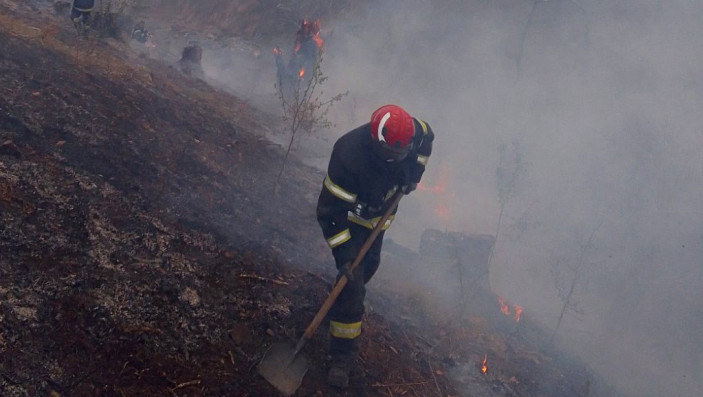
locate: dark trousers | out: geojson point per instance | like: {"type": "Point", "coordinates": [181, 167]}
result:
{"type": "Point", "coordinates": [348, 309]}
{"type": "Point", "coordinates": [81, 9]}
{"type": "Point", "coordinates": [80, 16]}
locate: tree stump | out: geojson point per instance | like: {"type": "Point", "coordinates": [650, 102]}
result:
{"type": "Point", "coordinates": [190, 61]}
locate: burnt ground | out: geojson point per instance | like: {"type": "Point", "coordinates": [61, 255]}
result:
{"type": "Point", "coordinates": [143, 252]}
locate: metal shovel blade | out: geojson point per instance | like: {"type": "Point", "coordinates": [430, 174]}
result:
{"type": "Point", "coordinates": [282, 368]}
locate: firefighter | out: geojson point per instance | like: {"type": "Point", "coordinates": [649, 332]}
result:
{"type": "Point", "coordinates": [367, 166]}
{"type": "Point", "coordinates": [307, 47]}
{"type": "Point", "coordinates": [140, 33]}
{"type": "Point", "coordinates": [297, 74]}
{"type": "Point", "coordinates": [81, 11]}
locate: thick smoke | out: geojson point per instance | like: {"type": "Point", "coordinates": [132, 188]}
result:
{"type": "Point", "coordinates": [602, 102]}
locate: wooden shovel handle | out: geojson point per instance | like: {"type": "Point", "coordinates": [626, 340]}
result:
{"type": "Point", "coordinates": [327, 304]}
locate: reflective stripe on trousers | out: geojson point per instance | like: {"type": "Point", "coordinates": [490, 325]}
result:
{"type": "Point", "coordinates": [345, 330]}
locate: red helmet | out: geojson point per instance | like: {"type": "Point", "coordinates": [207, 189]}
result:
{"type": "Point", "coordinates": [392, 131]}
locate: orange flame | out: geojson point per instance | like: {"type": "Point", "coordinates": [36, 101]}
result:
{"type": "Point", "coordinates": [484, 368]}
{"type": "Point", "coordinates": [301, 73]}
{"type": "Point", "coordinates": [442, 211]}
{"type": "Point", "coordinates": [317, 39]}
{"type": "Point", "coordinates": [439, 188]}
{"type": "Point", "coordinates": [503, 307]}
{"type": "Point", "coordinates": [308, 31]}
{"type": "Point", "coordinates": [443, 208]}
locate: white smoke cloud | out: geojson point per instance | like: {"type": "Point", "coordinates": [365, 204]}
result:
{"type": "Point", "coordinates": [604, 99]}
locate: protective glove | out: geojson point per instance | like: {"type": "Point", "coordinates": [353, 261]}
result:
{"type": "Point", "coordinates": [406, 189]}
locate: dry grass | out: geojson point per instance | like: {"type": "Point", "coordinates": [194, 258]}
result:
{"type": "Point", "coordinates": [90, 53]}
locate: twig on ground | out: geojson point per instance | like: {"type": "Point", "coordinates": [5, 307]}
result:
{"type": "Point", "coordinates": [399, 384]}
{"type": "Point", "coordinates": [141, 262]}
{"type": "Point", "coordinates": [439, 391]}
{"type": "Point", "coordinates": [241, 352]}
{"type": "Point", "coordinates": [185, 384]}
{"type": "Point", "coordinates": [317, 276]}
{"type": "Point", "coordinates": [141, 329]}
{"type": "Point", "coordinates": [123, 368]}
{"type": "Point", "coordinates": [146, 261]}
{"type": "Point", "coordinates": [424, 340]}
{"type": "Point", "coordinates": [264, 279]}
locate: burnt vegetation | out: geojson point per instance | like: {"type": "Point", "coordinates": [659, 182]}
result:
{"type": "Point", "coordinates": [143, 254]}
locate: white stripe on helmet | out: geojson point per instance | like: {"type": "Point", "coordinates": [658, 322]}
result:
{"type": "Point", "coordinates": [380, 126]}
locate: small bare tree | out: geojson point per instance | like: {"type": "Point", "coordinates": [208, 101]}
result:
{"type": "Point", "coordinates": [304, 109]}
{"type": "Point", "coordinates": [509, 173]}
{"type": "Point", "coordinates": [567, 293]}
{"type": "Point", "coordinates": [530, 16]}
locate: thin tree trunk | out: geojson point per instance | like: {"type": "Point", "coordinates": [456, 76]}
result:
{"type": "Point", "coordinates": [524, 37]}
{"type": "Point", "coordinates": [495, 241]}
{"type": "Point", "coordinates": [574, 280]}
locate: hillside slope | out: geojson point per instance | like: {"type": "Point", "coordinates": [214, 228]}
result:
{"type": "Point", "coordinates": [141, 255]}
{"type": "Point", "coordinates": [144, 252]}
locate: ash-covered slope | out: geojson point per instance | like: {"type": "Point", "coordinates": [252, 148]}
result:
{"type": "Point", "coordinates": [143, 252]}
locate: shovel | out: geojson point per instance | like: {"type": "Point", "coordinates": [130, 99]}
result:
{"type": "Point", "coordinates": [282, 366]}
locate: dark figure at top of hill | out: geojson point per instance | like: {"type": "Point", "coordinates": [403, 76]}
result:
{"type": "Point", "coordinates": [140, 33]}
{"type": "Point", "coordinates": [298, 73]}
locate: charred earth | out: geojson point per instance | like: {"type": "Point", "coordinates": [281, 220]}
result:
{"type": "Point", "coordinates": [142, 252]}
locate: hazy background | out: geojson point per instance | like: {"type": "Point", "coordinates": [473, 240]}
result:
{"type": "Point", "coordinates": [603, 103]}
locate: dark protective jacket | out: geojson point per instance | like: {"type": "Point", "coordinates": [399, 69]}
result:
{"type": "Point", "coordinates": [359, 184]}
{"type": "Point", "coordinates": [84, 5]}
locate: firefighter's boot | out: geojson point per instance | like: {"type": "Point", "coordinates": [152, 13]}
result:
{"type": "Point", "coordinates": [343, 354]}
{"type": "Point", "coordinates": [339, 373]}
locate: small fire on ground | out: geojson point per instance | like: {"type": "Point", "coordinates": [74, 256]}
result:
{"type": "Point", "coordinates": [484, 367]}
{"type": "Point", "coordinates": [505, 309]}
{"type": "Point", "coordinates": [440, 188]}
